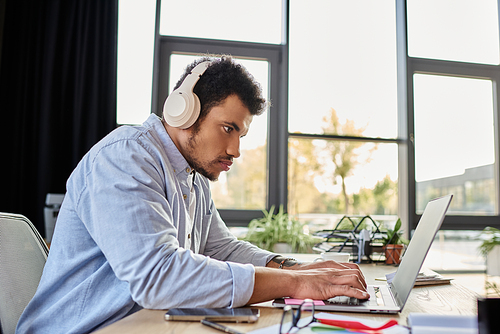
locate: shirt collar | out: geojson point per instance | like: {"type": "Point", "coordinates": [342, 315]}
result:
{"type": "Point", "coordinates": [175, 157]}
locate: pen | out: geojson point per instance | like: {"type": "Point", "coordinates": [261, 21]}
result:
{"type": "Point", "coordinates": [220, 327]}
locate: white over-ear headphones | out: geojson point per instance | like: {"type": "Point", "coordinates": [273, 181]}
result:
{"type": "Point", "coordinates": [182, 107]}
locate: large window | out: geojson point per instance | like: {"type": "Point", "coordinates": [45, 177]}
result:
{"type": "Point", "coordinates": [454, 143]}
{"type": "Point", "coordinates": [245, 187]}
{"type": "Point", "coordinates": [463, 30]}
{"type": "Point", "coordinates": [376, 106]}
{"type": "Point", "coordinates": [343, 117]}
{"type": "Point", "coordinates": [256, 21]}
{"type": "Point", "coordinates": [135, 60]}
{"type": "Point", "coordinates": [453, 73]}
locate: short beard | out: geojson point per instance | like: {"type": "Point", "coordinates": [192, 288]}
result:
{"type": "Point", "coordinates": [195, 163]}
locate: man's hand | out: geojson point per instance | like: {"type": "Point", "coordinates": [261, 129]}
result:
{"type": "Point", "coordinates": [296, 265]}
{"type": "Point", "coordinates": [330, 264]}
{"type": "Point", "coordinates": [325, 283]}
{"type": "Point", "coordinates": [315, 280]}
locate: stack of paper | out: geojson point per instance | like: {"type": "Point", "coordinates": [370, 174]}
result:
{"type": "Point", "coordinates": [422, 323]}
{"type": "Point", "coordinates": [423, 279]}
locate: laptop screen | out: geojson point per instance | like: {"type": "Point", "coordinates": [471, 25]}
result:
{"type": "Point", "coordinates": [420, 243]}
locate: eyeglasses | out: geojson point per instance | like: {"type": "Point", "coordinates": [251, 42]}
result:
{"type": "Point", "coordinates": [291, 320]}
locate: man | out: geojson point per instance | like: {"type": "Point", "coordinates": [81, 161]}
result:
{"type": "Point", "coordinates": [138, 228]}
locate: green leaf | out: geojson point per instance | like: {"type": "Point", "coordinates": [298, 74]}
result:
{"type": "Point", "coordinates": [265, 232]}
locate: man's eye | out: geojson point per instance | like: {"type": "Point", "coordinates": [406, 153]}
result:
{"type": "Point", "coordinates": [228, 129]}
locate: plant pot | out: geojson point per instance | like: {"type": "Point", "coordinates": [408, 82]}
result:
{"type": "Point", "coordinates": [493, 261]}
{"type": "Point", "coordinates": [393, 253]}
{"type": "Point", "coordinates": [282, 247]}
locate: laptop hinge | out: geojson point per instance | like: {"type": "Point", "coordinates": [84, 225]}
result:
{"type": "Point", "coordinates": [395, 297]}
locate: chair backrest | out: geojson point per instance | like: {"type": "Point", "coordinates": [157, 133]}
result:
{"type": "Point", "coordinates": [23, 254]}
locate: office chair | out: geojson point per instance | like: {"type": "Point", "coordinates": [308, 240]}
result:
{"type": "Point", "coordinates": [23, 254]}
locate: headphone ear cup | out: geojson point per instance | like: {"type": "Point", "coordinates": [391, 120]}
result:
{"type": "Point", "coordinates": [195, 112]}
{"type": "Point", "coordinates": [182, 107]}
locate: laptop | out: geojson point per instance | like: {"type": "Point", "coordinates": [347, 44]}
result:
{"type": "Point", "coordinates": [391, 298]}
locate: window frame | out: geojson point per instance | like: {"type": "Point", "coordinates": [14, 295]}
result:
{"type": "Point", "coordinates": [278, 134]}
{"type": "Point", "coordinates": [415, 65]}
{"type": "Point", "coordinates": [402, 138]}
{"type": "Point", "coordinates": [167, 45]}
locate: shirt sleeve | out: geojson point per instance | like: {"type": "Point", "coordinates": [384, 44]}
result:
{"type": "Point", "coordinates": [125, 210]}
{"type": "Point", "coordinates": [223, 245]}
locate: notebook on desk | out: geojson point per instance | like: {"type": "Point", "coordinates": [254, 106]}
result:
{"type": "Point", "coordinates": [391, 298]}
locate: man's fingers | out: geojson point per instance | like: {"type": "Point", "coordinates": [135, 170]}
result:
{"type": "Point", "coordinates": [349, 291]}
{"type": "Point", "coordinates": [325, 283]}
{"type": "Point", "coordinates": [340, 265]}
{"type": "Point", "coordinates": [349, 285]}
{"type": "Point", "coordinates": [353, 270]}
{"type": "Point", "coordinates": [354, 266]}
{"type": "Point", "coordinates": [348, 277]}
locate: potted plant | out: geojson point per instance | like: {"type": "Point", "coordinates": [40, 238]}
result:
{"type": "Point", "coordinates": [490, 249]}
{"type": "Point", "coordinates": [393, 244]}
{"type": "Point", "coordinates": [273, 230]}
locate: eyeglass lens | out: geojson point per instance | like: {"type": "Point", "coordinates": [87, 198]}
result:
{"type": "Point", "coordinates": [295, 319]}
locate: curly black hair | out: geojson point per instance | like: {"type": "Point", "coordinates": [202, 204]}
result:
{"type": "Point", "coordinates": [223, 78]}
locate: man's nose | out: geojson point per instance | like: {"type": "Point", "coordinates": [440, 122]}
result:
{"type": "Point", "coordinates": [234, 148]}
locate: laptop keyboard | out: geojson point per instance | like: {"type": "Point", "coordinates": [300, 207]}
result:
{"type": "Point", "coordinates": [344, 300]}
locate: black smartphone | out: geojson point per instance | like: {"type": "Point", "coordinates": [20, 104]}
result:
{"type": "Point", "coordinates": [213, 314]}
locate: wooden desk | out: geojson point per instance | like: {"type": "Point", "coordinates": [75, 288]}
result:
{"type": "Point", "coordinates": [439, 299]}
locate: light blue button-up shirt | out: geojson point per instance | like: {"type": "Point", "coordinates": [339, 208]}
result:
{"type": "Point", "coordinates": [124, 240]}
